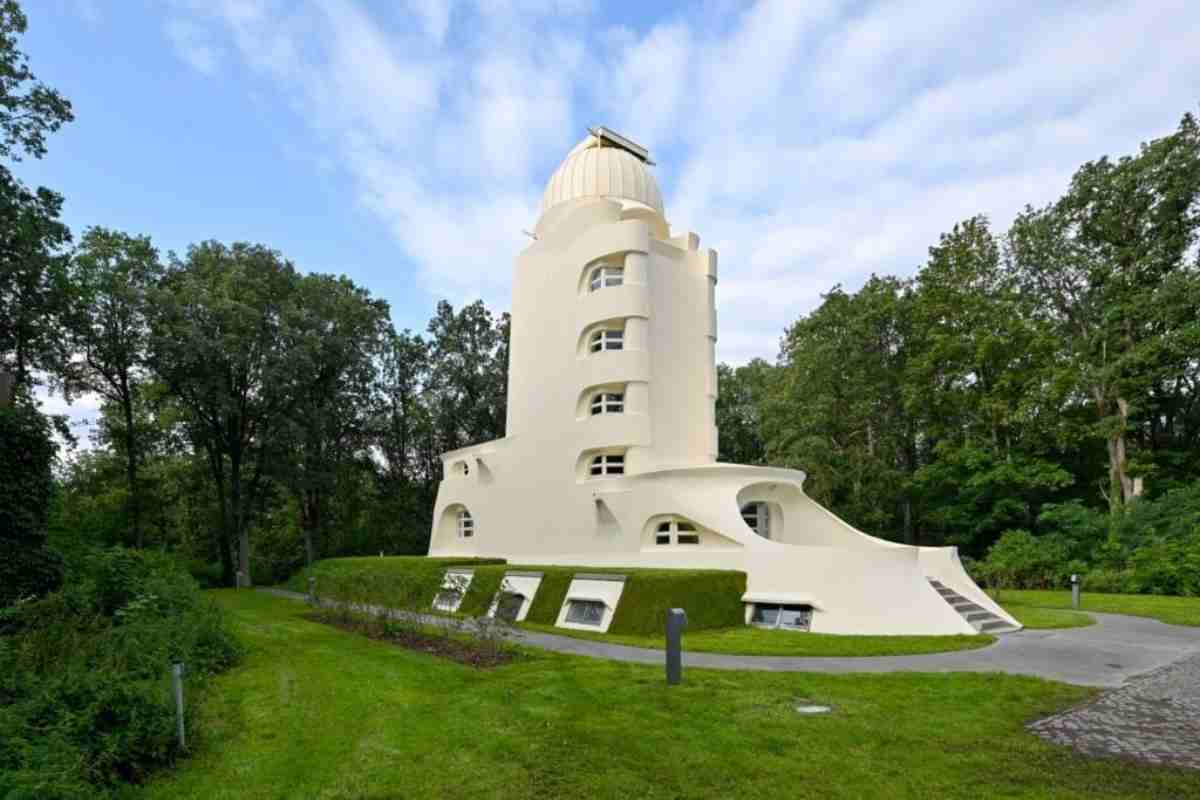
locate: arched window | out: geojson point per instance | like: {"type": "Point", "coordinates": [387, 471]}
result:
{"type": "Point", "coordinates": [608, 464]}
{"type": "Point", "coordinates": [676, 531]}
{"type": "Point", "coordinates": [608, 403]}
{"type": "Point", "coordinates": [606, 275]}
{"type": "Point", "coordinates": [466, 525]}
{"type": "Point", "coordinates": [758, 517]}
{"type": "Point", "coordinates": [607, 339]}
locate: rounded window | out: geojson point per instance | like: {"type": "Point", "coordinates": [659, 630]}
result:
{"type": "Point", "coordinates": [607, 339]}
{"type": "Point", "coordinates": [466, 524]}
{"type": "Point", "coordinates": [676, 531]}
{"type": "Point", "coordinates": [608, 403]}
{"type": "Point", "coordinates": [608, 464]}
{"type": "Point", "coordinates": [604, 276]}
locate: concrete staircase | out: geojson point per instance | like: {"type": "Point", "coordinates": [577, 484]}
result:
{"type": "Point", "coordinates": [979, 617]}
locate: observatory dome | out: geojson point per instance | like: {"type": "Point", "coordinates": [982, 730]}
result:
{"type": "Point", "coordinates": [604, 164]}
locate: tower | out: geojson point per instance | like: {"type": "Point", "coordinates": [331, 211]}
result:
{"type": "Point", "coordinates": [610, 451]}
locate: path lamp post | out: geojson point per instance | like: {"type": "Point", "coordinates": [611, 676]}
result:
{"type": "Point", "coordinates": [676, 622]}
{"type": "Point", "coordinates": [1074, 590]}
{"type": "Point", "coordinates": [177, 686]}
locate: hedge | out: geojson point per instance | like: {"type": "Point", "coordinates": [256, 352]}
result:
{"type": "Point", "coordinates": [395, 581]}
{"type": "Point", "coordinates": [712, 598]}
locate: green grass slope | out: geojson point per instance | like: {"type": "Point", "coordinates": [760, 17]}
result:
{"type": "Point", "coordinates": [318, 712]}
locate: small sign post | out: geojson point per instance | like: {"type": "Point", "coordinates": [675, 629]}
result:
{"type": "Point", "coordinates": [676, 622]}
{"type": "Point", "coordinates": [177, 685]}
{"type": "Point", "coordinates": [1074, 590]}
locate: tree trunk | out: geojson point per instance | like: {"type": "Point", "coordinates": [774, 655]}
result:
{"type": "Point", "coordinates": [215, 463]}
{"type": "Point", "coordinates": [1122, 488]}
{"type": "Point", "coordinates": [135, 505]}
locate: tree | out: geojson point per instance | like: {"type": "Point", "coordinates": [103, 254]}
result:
{"type": "Point", "coordinates": [28, 108]}
{"type": "Point", "coordinates": [468, 380]}
{"type": "Point", "coordinates": [740, 394]}
{"type": "Point", "coordinates": [218, 344]}
{"type": "Point", "coordinates": [1107, 268]}
{"type": "Point", "coordinates": [836, 408]}
{"type": "Point", "coordinates": [33, 290]}
{"type": "Point", "coordinates": [333, 332]}
{"type": "Point", "coordinates": [108, 329]}
{"type": "Point", "coordinates": [974, 382]}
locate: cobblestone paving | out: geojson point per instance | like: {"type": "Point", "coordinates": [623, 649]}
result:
{"type": "Point", "coordinates": [1155, 718]}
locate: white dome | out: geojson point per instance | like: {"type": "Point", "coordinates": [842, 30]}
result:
{"type": "Point", "coordinates": [598, 168]}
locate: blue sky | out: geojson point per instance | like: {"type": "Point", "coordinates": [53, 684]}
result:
{"type": "Point", "coordinates": [407, 144]}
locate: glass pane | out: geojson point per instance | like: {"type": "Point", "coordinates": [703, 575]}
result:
{"type": "Point", "coordinates": [688, 538]}
{"type": "Point", "coordinates": [618, 335]}
{"type": "Point", "coordinates": [509, 606]}
{"type": "Point", "coordinates": [585, 612]}
{"type": "Point", "coordinates": [765, 614]}
{"type": "Point", "coordinates": [686, 526]}
{"type": "Point", "coordinates": [661, 539]}
{"type": "Point", "coordinates": [795, 617]}
{"type": "Point", "coordinates": [616, 469]}
{"type": "Point", "coordinates": [615, 280]}
{"type": "Point", "coordinates": [664, 527]}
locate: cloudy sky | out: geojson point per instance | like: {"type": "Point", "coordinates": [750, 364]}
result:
{"type": "Point", "coordinates": [406, 144]}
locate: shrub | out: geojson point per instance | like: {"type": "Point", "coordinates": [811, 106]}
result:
{"type": "Point", "coordinates": [408, 582]}
{"type": "Point", "coordinates": [1020, 560]}
{"type": "Point", "coordinates": [85, 702]}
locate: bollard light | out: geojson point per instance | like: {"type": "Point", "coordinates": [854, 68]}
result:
{"type": "Point", "coordinates": [1074, 590]}
{"type": "Point", "coordinates": [676, 622]}
{"type": "Point", "coordinates": [177, 685]}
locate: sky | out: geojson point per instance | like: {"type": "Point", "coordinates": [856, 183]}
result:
{"type": "Point", "coordinates": [406, 144]}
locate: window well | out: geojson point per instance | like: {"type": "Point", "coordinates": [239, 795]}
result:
{"type": "Point", "coordinates": [586, 612]}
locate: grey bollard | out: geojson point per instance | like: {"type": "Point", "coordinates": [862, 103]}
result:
{"type": "Point", "coordinates": [676, 622]}
{"type": "Point", "coordinates": [312, 590]}
{"type": "Point", "coordinates": [177, 685]}
{"type": "Point", "coordinates": [1074, 590]}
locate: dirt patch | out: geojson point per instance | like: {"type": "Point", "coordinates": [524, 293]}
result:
{"type": "Point", "coordinates": [464, 650]}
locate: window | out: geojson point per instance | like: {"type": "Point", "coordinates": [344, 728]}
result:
{"type": "Point", "coordinates": [608, 403]}
{"type": "Point", "coordinates": [758, 517]}
{"type": "Point", "coordinates": [683, 532]}
{"type": "Point", "coordinates": [607, 339]}
{"type": "Point", "coordinates": [447, 599]}
{"type": "Point", "coordinates": [466, 525]}
{"type": "Point", "coordinates": [608, 464]}
{"type": "Point", "coordinates": [783, 617]}
{"type": "Point", "coordinates": [606, 275]}
{"type": "Point", "coordinates": [585, 612]}
{"type": "Point", "coordinates": [509, 606]}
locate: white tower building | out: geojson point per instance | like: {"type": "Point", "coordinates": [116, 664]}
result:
{"type": "Point", "coordinates": [609, 457]}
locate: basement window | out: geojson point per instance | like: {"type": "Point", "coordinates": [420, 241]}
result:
{"type": "Point", "coordinates": [605, 276]}
{"type": "Point", "coordinates": [585, 612]}
{"type": "Point", "coordinates": [608, 464]}
{"type": "Point", "coordinates": [509, 607]}
{"type": "Point", "coordinates": [447, 600]}
{"type": "Point", "coordinates": [782, 617]}
{"type": "Point", "coordinates": [607, 339]}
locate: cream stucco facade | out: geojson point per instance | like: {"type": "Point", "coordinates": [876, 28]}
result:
{"type": "Point", "coordinates": [610, 457]}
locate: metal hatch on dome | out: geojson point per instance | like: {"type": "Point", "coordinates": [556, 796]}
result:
{"type": "Point", "coordinates": [615, 139]}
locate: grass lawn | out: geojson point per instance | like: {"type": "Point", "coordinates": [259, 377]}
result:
{"type": "Point", "coordinates": [318, 712]}
{"type": "Point", "coordinates": [1174, 610]}
{"type": "Point", "coordinates": [751, 641]}
{"type": "Point", "coordinates": [1036, 617]}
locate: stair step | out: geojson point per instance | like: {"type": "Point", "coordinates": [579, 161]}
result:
{"type": "Point", "coordinates": [980, 615]}
{"type": "Point", "coordinates": [944, 592]}
{"type": "Point", "coordinates": [996, 626]}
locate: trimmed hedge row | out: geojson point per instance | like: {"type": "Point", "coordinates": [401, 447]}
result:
{"type": "Point", "coordinates": [395, 581]}
{"type": "Point", "coordinates": [712, 598]}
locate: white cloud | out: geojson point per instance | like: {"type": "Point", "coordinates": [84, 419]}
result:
{"type": "Point", "coordinates": [193, 45]}
{"type": "Point", "coordinates": [810, 143]}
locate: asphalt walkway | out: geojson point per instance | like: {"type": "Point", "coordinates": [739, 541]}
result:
{"type": "Point", "coordinates": [1106, 654]}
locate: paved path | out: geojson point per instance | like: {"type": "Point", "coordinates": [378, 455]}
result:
{"type": "Point", "coordinates": [1106, 654]}
{"type": "Point", "coordinates": [1155, 717]}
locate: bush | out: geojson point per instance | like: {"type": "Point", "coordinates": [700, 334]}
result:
{"type": "Point", "coordinates": [27, 568]}
{"type": "Point", "coordinates": [85, 701]}
{"type": "Point", "coordinates": [407, 582]}
{"type": "Point", "coordinates": [1020, 560]}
